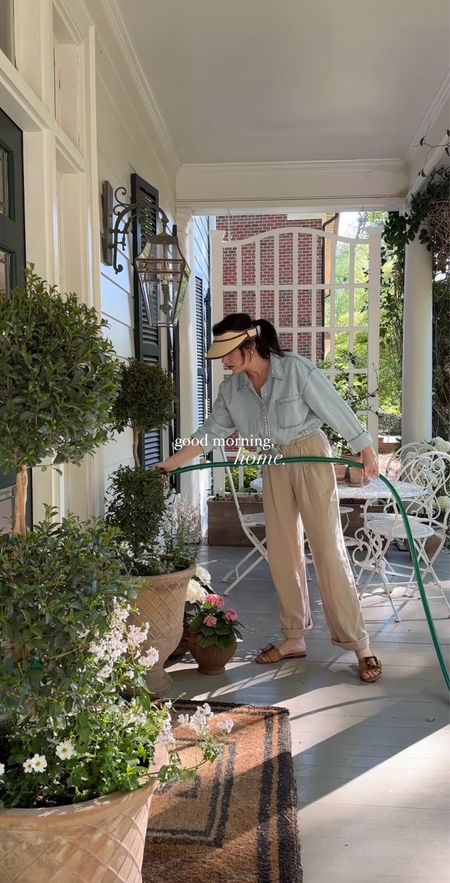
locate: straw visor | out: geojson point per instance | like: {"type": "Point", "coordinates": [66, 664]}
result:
{"type": "Point", "coordinates": [228, 341]}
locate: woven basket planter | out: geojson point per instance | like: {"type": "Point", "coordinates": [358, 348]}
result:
{"type": "Point", "coordinates": [161, 603]}
{"type": "Point", "coordinates": [92, 842]}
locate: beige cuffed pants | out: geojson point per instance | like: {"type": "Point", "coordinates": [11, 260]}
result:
{"type": "Point", "coordinates": [304, 495]}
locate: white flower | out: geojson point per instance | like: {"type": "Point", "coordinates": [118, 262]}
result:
{"type": "Point", "coordinates": [40, 763]}
{"type": "Point", "coordinates": [444, 503]}
{"type": "Point", "coordinates": [195, 592]}
{"type": "Point", "coordinates": [225, 726]}
{"type": "Point", "coordinates": [121, 613]}
{"type": "Point", "coordinates": [136, 635]}
{"type": "Point", "coordinates": [150, 658]}
{"type": "Point", "coordinates": [104, 673]}
{"type": "Point", "coordinates": [166, 736]}
{"type": "Point", "coordinates": [2, 769]}
{"type": "Point", "coordinates": [203, 574]}
{"type": "Point", "coordinates": [35, 764]}
{"type": "Point", "coordinates": [441, 444]}
{"type": "Point", "coordinates": [65, 750]}
{"type": "Point", "coordinates": [184, 720]}
{"type": "Point", "coordinates": [139, 719]}
{"type": "Point", "coordinates": [201, 718]}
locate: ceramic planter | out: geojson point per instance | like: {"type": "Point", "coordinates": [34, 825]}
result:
{"type": "Point", "coordinates": [211, 660]}
{"type": "Point", "coordinates": [161, 602]}
{"type": "Point", "coordinates": [92, 842]}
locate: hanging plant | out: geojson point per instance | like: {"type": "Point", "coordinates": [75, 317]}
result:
{"type": "Point", "coordinates": [428, 218]}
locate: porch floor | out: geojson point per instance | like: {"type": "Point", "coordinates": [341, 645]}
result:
{"type": "Point", "coordinates": [372, 761]}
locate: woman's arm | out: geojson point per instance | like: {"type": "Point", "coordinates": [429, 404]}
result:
{"type": "Point", "coordinates": [184, 455]}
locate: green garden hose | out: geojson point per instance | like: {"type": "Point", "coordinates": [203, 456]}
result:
{"type": "Point", "coordinates": [404, 515]}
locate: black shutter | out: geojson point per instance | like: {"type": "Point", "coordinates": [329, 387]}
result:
{"type": "Point", "coordinates": [201, 350]}
{"type": "Point", "coordinates": [146, 337]}
{"type": "Point", "coordinates": [208, 364]}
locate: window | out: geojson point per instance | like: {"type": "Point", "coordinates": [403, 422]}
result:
{"type": "Point", "coordinates": [12, 261]}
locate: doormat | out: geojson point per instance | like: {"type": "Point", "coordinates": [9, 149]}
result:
{"type": "Point", "coordinates": [237, 821]}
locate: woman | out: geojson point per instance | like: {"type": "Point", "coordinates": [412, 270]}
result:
{"type": "Point", "coordinates": [285, 398]}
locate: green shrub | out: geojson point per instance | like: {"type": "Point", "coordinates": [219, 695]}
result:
{"type": "Point", "coordinates": [145, 400]}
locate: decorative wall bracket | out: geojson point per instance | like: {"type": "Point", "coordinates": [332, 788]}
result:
{"type": "Point", "coordinates": [160, 265]}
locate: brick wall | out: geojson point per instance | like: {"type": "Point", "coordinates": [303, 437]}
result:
{"type": "Point", "coordinates": [245, 226]}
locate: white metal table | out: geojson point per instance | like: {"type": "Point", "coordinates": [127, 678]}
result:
{"type": "Point", "coordinates": [375, 489]}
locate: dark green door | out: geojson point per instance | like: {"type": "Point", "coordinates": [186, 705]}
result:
{"type": "Point", "coordinates": [12, 257]}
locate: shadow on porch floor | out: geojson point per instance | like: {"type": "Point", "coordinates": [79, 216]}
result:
{"type": "Point", "coordinates": [371, 761]}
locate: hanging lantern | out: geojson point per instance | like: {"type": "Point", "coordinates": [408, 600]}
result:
{"type": "Point", "coordinates": [161, 267]}
{"type": "Point", "coordinates": [163, 275]}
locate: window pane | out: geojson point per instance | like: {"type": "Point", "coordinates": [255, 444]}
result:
{"type": "Point", "coordinates": [4, 273]}
{"type": "Point", "coordinates": [6, 509]}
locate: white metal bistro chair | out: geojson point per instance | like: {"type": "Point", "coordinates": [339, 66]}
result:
{"type": "Point", "coordinates": [405, 454]}
{"type": "Point", "coordinates": [258, 552]}
{"type": "Point", "coordinates": [429, 476]}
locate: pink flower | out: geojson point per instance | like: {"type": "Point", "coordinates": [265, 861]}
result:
{"type": "Point", "coordinates": [231, 615]}
{"type": "Point", "coordinates": [214, 601]}
{"type": "Point", "coordinates": [210, 620]}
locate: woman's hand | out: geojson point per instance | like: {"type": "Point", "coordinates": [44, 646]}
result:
{"type": "Point", "coordinates": [370, 462]}
{"type": "Point", "coordinates": [185, 455]}
{"type": "Point", "coordinates": [163, 467]}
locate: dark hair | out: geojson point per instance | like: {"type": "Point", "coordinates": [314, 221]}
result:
{"type": "Point", "coordinates": [266, 341]}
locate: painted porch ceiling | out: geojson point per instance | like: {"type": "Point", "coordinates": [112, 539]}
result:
{"type": "Point", "coordinates": [290, 80]}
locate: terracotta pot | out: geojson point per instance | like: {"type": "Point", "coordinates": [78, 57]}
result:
{"type": "Point", "coordinates": [340, 470]}
{"type": "Point", "coordinates": [161, 602]}
{"type": "Point", "coordinates": [88, 842]}
{"type": "Point", "coordinates": [356, 476]}
{"type": "Point", "coordinates": [211, 660]}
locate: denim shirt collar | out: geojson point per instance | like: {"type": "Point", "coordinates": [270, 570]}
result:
{"type": "Point", "coordinates": [275, 370]}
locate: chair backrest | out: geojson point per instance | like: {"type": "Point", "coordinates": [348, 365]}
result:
{"type": "Point", "coordinates": [249, 521]}
{"type": "Point", "coordinates": [430, 471]}
{"type": "Point", "coordinates": [404, 455]}
{"type": "Point", "coordinates": [229, 475]}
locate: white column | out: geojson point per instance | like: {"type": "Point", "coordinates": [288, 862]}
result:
{"type": "Point", "coordinates": [187, 355]}
{"type": "Point", "coordinates": [373, 354]}
{"type": "Point", "coordinates": [417, 345]}
{"type": "Point", "coordinates": [216, 240]}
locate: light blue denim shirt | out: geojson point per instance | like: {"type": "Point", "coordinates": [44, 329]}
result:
{"type": "Point", "coordinates": [296, 400]}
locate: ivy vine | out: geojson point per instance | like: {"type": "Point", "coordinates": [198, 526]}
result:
{"type": "Point", "coordinates": [428, 218]}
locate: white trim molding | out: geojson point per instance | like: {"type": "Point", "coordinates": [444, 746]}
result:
{"type": "Point", "coordinates": [209, 188]}
{"type": "Point", "coordinates": [118, 29]}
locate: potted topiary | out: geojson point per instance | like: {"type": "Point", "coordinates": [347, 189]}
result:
{"type": "Point", "coordinates": [60, 378]}
{"type": "Point", "coordinates": [78, 761]}
{"type": "Point", "coordinates": [159, 533]}
{"type": "Point", "coordinates": [145, 401]}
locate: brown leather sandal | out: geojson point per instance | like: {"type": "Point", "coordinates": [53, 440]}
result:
{"type": "Point", "coordinates": [271, 654]}
{"type": "Point", "coordinates": [372, 664]}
